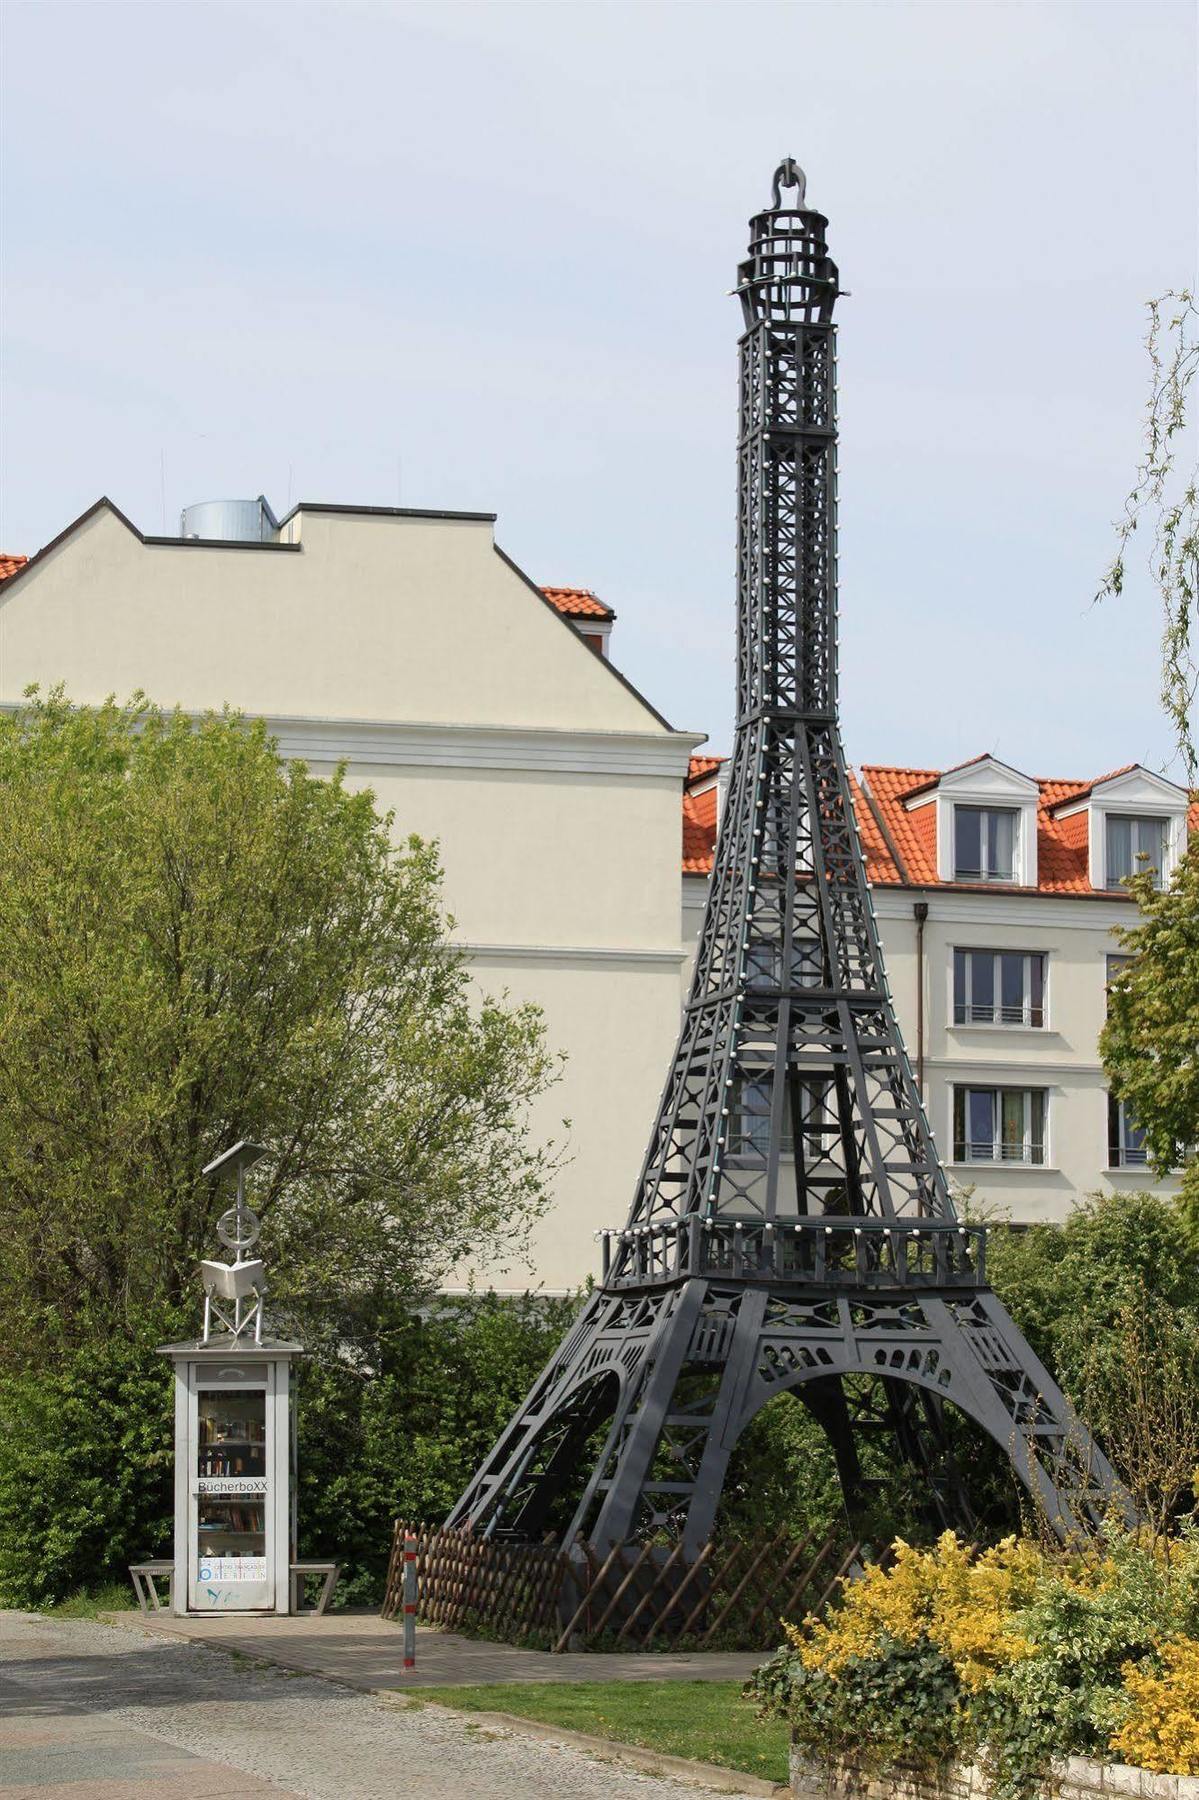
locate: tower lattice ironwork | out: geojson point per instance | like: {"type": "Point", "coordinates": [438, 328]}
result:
{"type": "Point", "coordinates": [792, 1226]}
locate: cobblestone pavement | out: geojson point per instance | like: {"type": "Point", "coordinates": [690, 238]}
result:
{"type": "Point", "coordinates": [92, 1712]}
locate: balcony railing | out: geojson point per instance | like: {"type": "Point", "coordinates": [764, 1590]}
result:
{"type": "Point", "coordinates": [975, 1014]}
{"type": "Point", "coordinates": [835, 1253]}
{"type": "Point", "coordinates": [962, 873]}
{"type": "Point", "coordinates": [992, 1150]}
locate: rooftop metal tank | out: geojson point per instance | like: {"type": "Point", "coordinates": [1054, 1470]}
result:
{"type": "Point", "coordinates": [230, 521]}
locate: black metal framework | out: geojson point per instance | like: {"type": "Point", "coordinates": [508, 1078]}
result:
{"type": "Point", "coordinates": [792, 1225]}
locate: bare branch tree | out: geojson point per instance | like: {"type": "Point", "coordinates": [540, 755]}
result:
{"type": "Point", "coordinates": [1166, 491]}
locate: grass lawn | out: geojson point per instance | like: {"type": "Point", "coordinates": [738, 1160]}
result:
{"type": "Point", "coordinates": [707, 1720]}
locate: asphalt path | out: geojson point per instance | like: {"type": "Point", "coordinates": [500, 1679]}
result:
{"type": "Point", "coordinates": [94, 1712]}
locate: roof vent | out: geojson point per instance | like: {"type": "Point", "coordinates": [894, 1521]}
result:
{"type": "Point", "coordinates": [230, 521]}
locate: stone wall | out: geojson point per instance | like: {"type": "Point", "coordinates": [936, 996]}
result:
{"type": "Point", "coordinates": [1077, 1778]}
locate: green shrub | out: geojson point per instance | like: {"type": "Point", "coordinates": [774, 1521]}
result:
{"type": "Point", "coordinates": [403, 1439]}
{"type": "Point", "coordinates": [85, 1471]}
{"type": "Point", "coordinates": [900, 1705]}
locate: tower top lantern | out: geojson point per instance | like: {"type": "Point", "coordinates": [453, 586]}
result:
{"type": "Point", "coordinates": [788, 275]}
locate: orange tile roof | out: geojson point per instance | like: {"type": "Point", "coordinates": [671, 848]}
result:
{"type": "Point", "coordinates": [1087, 787]}
{"type": "Point", "coordinates": [10, 564]}
{"type": "Point", "coordinates": [900, 846]}
{"type": "Point", "coordinates": [880, 864]}
{"type": "Point", "coordinates": [699, 831]}
{"type": "Point", "coordinates": [1063, 865]}
{"type": "Point", "coordinates": [578, 603]}
{"type": "Point", "coordinates": [702, 767]}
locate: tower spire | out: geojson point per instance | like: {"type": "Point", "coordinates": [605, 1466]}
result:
{"type": "Point", "coordinates": [792, 1226]}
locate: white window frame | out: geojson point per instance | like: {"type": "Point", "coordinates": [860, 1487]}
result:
{"type": "Point", "coordinates": [764, 961]}
{"type": "Point", "coordinates": [1162, 873]}
{"type": "Point", "coordinates": [998, 1160]}
{"type": "Point", "coordinates": [756, 1139]}
{"type": "Point", "coordinates": [985, 878]}
{"type": "Point", "coordinates": [1124, 1159]}
{"type": "Point", "coordinates": [1025, 1022]}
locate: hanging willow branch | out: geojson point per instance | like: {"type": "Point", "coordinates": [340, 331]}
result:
{"type": "Point", "coordinates": [1169, 494]}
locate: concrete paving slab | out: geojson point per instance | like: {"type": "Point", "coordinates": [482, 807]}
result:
{"type": "Point", "coordinates": [87, 1758]}
{"type": "Point", "coordinates": [366, 1652]}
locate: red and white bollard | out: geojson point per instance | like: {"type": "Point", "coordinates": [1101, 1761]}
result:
{"type": "Point", "coordinates": [409, 1603]}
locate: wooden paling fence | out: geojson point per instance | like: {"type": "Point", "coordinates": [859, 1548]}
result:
{"type": "Point", "coordinates": [637, 1597]}
{"type": "Point", "coordinates": [469, 1584]}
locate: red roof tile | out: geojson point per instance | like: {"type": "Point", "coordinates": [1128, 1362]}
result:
{"type": "Point", "coordinates": [880, 863]}
{"type": "Point", "coordinates": [900, 847]}
{"type": "Point", "coordinates": [1087, 788]}
{"type": "Point", "coordinates": [577, 603]}
{"type": "Point", "coordinates": [10, 564]}
{"type": "Point", "coordinates": [699, 831]}
{"type": "Point", "coordinates": [702, 767]}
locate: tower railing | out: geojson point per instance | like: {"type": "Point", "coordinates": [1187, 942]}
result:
{"type": "Point", "coordinates": [823, 1252]}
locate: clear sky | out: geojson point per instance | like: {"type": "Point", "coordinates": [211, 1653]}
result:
{"type": "Point", "coordinates": [477, 256]}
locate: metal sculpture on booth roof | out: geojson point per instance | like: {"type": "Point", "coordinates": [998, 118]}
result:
{"type": "Point", "coordinates": [240, 1284]}
{"type": "Point", "coordinates": [792, 1226]}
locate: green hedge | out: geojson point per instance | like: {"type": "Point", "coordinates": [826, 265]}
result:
{"type": "Point", "coordinates": [86, 1450]}
{"type": "Point", "coordinates": [85, 1470]}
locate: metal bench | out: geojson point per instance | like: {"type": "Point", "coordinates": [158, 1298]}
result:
{"type": "Point", "coordinates": [330, 1571]}
{"type": "Point", "coordinates": [145, 1578]}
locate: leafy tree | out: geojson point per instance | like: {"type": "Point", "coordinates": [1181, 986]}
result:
{"type": "Point", "coordinates": [200, 942]}
{"type": "Point", "coordinates": [1150, 1043]}
{"type": "Point", "coordinates": [403, 1440]}
{"type": "Point", "coordinates": [1167, 492]}
{"type": "Point", "coordinates": [1068, 1287]}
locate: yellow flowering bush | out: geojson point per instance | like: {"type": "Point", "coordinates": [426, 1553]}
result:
{"type": "Point", "coordinates": [1013, 1655]}
{"type": "Point", "coordinates": [1161, 1732]}
{"type": "Point", "coordinates": [960, 1600]}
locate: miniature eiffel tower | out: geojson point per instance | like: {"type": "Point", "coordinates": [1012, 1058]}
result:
{"type": "Point", "coordinates": [792, 1226]}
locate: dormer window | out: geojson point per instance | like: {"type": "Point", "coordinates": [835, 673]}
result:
{"type": "Point", "coordinates": [1133, 846]}
{"type": "Point", "coordinates": [1135, 821]}
{"type": "Point", "coordinates": [984, 843]}
{"type": "Point", "coordinates": [984, 820]}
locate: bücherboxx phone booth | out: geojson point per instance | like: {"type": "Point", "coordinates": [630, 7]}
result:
{"type": "Point", "coordinates": [234, 1519]}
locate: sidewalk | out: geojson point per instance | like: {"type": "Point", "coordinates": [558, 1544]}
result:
{"type": "Point", "coordinates": [92, 1713]}
{"type": "Point", "coordinates": [364, 1651]}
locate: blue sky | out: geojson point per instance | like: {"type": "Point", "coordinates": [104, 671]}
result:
{"type": "Point", "coordinates": [478, 256]}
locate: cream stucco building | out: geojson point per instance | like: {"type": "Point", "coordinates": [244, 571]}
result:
{"type": "Point", "coordinates": [484, 712]}
{"type": "Point", "coordinates": [408, 645]}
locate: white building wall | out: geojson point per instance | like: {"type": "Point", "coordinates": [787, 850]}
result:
{"type": "Point", "coordinates": [410, 648]}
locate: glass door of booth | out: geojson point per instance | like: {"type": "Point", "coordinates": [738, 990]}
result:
{"type": "Point", "coordinates": [230, 1549]}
